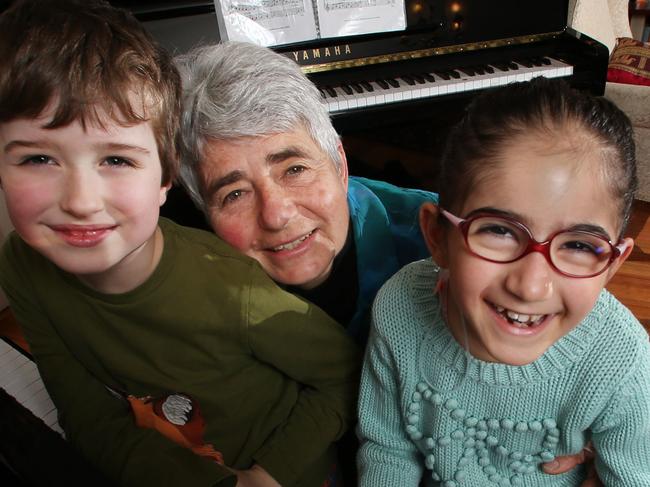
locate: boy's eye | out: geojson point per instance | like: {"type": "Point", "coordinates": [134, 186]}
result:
{"type": "Point", "coordinates": [497, 230]}
{"type": "Point", "coordinates": [37, 160]}
{"type": "Point", "coordinates": [117, 161]}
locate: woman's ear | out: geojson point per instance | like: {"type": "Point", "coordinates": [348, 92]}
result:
{"type": "Point", "coordinates": [434, 233]}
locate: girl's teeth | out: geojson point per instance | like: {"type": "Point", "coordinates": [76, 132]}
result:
{"type": "Point", "coordinates": [517, 318]}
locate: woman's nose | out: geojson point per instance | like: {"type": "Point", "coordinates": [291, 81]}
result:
{"type": "Point", "coordinates": [277, 208]}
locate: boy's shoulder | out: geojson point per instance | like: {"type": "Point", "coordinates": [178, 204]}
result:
{"type": "Point", "coordinates": [197, 240]}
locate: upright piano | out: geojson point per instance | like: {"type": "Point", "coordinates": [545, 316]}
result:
{"type": "Point", "coordinates": [394, 95]}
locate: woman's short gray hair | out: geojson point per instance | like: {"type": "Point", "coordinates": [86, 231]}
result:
{"type": "Point", "coordinates": [236, 89]}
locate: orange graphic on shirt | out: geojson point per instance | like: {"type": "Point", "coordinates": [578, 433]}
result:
{"type": "Point", "coordinates": [178, 418]}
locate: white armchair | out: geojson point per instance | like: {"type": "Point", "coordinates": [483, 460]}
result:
{"type": "Point", "coordinates": [605, 21]}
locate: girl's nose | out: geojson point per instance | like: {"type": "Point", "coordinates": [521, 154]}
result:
{"type": "Point", "coordinates": [531, 278]}
{"type": "Point", "coordinates": [81, 194]}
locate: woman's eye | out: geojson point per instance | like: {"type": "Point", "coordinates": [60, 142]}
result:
{"type": "Point", "coordinates": [232, 197]}
{"type": "Point", "coordinates": [117, 161]}
{"type": "Point", "coordinates": [37, 160]}
{"type": "Point", "coordinates": [296, 170]}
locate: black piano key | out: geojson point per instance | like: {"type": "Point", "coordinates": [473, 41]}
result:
{"type": "Point", "coordinates": [419, 79]}
{"type": "Point", "coordinates": [513, 66]}
{"type": "Point", "coordinates": [356, 87]}
{"type": "Point", "coordinates": [322, 93]}
{"type": "Point", "coordinates": [382, 83]}
{"type": "Point", "coordinates": [454, 74]}
{"type": "Point", "coordinates": [408, 79]}
{"type": "Point", "coordinates": [330, 91]}
{"type": "Point", "coordinates": [527, 63]}
{"type": "Point", "coordinates": [537, 61]}
{"type": "Point", "coordinates": [443, 74]}
{"type": "Point", "coordinates": [468, 70]}
{"type": "Point", "coordinates": [347, 89]}
{"type": "Point", "coordinates": [501, 66]}
{"type": "Point", "coordinates": [393, 82]}
{"type": "Point", "coordinates": [546, 61]}
{"type": "Point", "coordinates": [479, 70]}
{"type": "Point", "coordinates": [489, 69]}
{"type": "Point", "coordinates": [367, 86]}
{"type": "Point", "coordinates": [429, 77]}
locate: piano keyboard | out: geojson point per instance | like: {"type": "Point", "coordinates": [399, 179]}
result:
{"type": "Point", "coordinates": [362, 94]}
{"type": "Point", "coordinates": [19, 377]}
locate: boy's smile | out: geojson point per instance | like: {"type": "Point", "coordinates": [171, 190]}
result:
{"type": "Point", "coordinates": [513, 312]}
{"type": "Point", "coordinates": [87, 199]}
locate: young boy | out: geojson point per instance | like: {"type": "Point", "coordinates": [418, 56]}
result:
{"type": "Point", "coordinates": [131, 316]}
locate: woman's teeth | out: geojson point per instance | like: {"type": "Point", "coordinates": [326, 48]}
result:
{"type": "Point", "coordinates": [519, 319]}
{"type": "Point", "coordinates": [292, 245]}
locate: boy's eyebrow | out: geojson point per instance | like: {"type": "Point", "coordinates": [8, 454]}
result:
{"type": "Point", "coordinates": [26, 143]}
{"type": "Point", "coordinates": [116, 146]}
{"type": "Point", "coordinates": [578, 227]}
{"type": "Point", "coordinates": [108, 146]}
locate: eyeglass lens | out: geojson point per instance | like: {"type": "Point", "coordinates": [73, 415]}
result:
{"type": "Point", "coordinates": [576, 253]}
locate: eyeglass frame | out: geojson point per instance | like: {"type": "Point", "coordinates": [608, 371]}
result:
{"type": "Point", "coordinates": [533, 245]}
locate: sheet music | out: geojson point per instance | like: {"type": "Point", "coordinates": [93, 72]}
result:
{"type": "Point", "coordinates": [20, 378]}
{"type": "Point", "coordinates": [277, 22]}
{"type": "Point", "coordinates": [267, 22]}
{"type": "Point", "coordinates": [351, 17]}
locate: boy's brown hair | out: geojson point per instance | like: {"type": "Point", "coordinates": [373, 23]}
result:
{"type": "Point", "coordinates": [87, 56]}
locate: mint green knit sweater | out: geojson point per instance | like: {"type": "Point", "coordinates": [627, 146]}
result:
{"type": "Point", "coordinates": [428, 411]}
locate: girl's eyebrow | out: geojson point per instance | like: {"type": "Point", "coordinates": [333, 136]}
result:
{"type": "Point", "coordinates": [577, 227]}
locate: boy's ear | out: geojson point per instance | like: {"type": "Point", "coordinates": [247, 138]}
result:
{"type": "Point", "coordinates": [625, 246]}
{"type": "Point", "coordinates": [163, 193]}
{"type": "Point", "coordinates": [434, 233]}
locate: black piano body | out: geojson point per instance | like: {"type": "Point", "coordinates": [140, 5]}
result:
{"type": "Point", "coordinates": [398, 138]}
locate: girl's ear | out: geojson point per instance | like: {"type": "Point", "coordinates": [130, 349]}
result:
{"type": "Point", "coordinates": [625, 246]}
{"type": "Point", "coordinates": [434, 233]}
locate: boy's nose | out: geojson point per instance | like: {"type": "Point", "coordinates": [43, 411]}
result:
{"type": "Point", "coordinates": [531, 278]}
{"type": "Point", "coordinates": [81, 194]}
{"type": "Point", "coordinates": [276, 209]}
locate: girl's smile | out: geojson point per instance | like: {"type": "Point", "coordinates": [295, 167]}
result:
{"type": "Point", "coordinates": [513, 312]}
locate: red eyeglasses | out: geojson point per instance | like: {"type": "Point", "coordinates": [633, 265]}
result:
{"type": "Point", "coordinates": [500, 239]}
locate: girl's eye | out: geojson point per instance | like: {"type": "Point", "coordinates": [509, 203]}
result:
{"type": "Point", "coordinates": [578, 246]}
{"type": "Point", "coordinates": [117, 161]}
{"type": "Point", "coordinates": [497, 230]}
{"type": "Point", "coordinates": [37, 160]}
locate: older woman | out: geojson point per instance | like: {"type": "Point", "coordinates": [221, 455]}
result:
{"type": "Point", "coordinates": [267, 168]}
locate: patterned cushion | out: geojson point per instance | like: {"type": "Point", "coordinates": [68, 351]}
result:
{"type": "Point", "coordinates": [629, 62]}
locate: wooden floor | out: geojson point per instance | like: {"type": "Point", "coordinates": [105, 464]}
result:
{"type": "Point", "coordinates": [631, 284]}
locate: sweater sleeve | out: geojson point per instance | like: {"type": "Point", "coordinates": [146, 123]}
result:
{"type": "Point", "coordinates": [305, 344]}
{"type": "Point", "coordinates": [387, 456]}
{"type": "Point", "coordinates": [622, 436]}
{"type": "Point", "coordinates": [98, 424]}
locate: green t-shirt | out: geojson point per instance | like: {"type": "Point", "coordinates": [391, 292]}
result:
{"type": "Point", "coordinates": [275, 378]}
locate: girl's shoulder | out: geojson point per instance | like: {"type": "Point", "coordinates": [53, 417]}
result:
{"type": "Point", "coordinates": [408, 299]}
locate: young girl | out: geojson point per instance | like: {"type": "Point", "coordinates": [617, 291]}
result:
{"type": "Point", "coordinates": [509, 352]}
